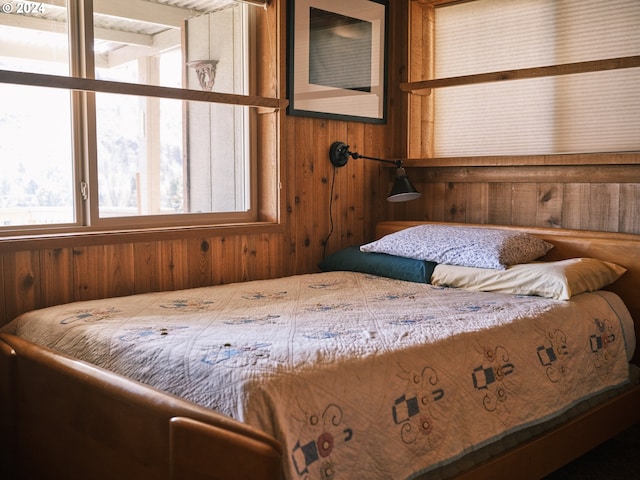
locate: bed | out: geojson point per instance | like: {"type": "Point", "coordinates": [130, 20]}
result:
{"type": "Point", "coordinates": [361, 383]}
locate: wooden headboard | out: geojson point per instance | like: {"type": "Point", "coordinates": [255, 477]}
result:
{"type": "Point", "coordinates": [620, 248]}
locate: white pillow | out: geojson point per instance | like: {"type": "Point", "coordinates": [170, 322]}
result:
{"type": "Point", "coordinates": [461, 245]}
{"type": "Point", "coordinates": [560, 280]}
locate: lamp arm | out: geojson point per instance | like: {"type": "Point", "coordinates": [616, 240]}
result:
{"type": "Point", "coordinates": [397, 163]}
{"type": "Point", "coordinates": [339, 155]}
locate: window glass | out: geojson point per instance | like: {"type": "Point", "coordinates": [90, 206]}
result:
{"type": "Point", "coordinates": [36, 184]}
{"type": "Point", "coordinates": [34, 38]}
{"type": "Point", "coordinates": [142, 169]}
{"type": "Point", "coordinates": [162, 156]}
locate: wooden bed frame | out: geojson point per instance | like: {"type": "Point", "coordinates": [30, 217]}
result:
{"type": "Point", "coordinates": [63, 418]}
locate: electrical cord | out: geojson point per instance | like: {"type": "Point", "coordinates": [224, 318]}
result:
{"type": "Point", "coordinates": [326, 240]}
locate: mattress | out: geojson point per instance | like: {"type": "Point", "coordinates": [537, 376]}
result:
{"type": "Point", "coordinates": [358, 376]}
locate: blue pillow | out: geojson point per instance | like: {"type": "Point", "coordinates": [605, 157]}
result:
{"type": "Point", "coordinates": [401, 268]}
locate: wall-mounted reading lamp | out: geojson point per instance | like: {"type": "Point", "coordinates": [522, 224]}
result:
{"type": "Point", "coordinates": [402, 189]}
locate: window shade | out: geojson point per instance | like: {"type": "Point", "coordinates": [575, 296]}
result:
{"type": "Point", "coordinates": [579, 113]}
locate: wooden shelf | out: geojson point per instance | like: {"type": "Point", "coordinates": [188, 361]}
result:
{"type": "Point", "coordinates": [615, 158]}
{"type": "Point", "coordinates": [425, 86]}
{"type": "Point", "coordinates": [106, 86]}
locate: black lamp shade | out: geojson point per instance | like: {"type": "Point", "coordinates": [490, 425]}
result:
{"type": "Point", "coordinates": [402, 190]}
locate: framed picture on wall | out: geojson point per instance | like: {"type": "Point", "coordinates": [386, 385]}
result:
{"type": "Point", "coordinates": [337, 59]}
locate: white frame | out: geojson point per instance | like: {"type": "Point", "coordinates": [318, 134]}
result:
{"type": "Point", "coordinates": [324, 101]}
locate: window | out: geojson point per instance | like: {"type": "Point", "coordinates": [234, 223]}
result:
{"type": "Point", "coordinates": [154, 126]}
{"type": "Point", "coordinates": [592, 112]}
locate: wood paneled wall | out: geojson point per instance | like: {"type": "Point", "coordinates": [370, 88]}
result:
{"type": "Point", "coordinates": [603, 198]}
{"type": "Point", "coordinates": [50, 276]}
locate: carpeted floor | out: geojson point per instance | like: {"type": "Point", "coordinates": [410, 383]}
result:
{"type": "Point", "coordinates": [616, 459]}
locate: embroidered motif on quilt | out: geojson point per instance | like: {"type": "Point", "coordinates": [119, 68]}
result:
{"type": "Point", "coordinates": [395, 296]}
{"type": "Point", "coordinates": [330, 332]}
{"type": "Point", "coordinates": [327, 307]}
{"type": "Point", "coordinates": [416, 319]}
{"type": "Point", "coordinates": [325, 286]}
{"type": "Point", "coordinates": [269, 319]}
{"type": "Point", "coordinates": [488, 378]}
{"type": "Point", "coordinates": [552, 355]}
{"type": "Point", "coordinates": [321, 335]}
{"type": "Point", "coordinates": [474, 307]}
{"type": "Point", "coordinates": [149, 334]}
{"type": "Point", "coordinates": [419, 411]}
{"type": "Point", "coordinates": [235, 356]}
{"type": "Point", "coordinates": [603, 343]}
{"type": "Point", "coordinates": [265, 296]}
{"type": "Point", "coordinates": [90, 315]}
{"type": "Point", "coordinates": [187, 305]}
{"type": "Point", "coordinates": [325, 432]}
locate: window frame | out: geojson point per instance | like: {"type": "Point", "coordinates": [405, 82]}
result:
{"type": "Point", "coordinates": [265, 116]}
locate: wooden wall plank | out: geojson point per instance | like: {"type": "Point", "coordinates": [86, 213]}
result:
{"type": "Point", "coordinates": [435, 198]}
{"type": "Point", "coordinates": [525, 204]}
{"type": "Point", "coordinates": [477, 203]}
{"type": "Point", "coordinates": [146, 261]}
{"type": "Point", "coordinates": [358, 182]}
{"type": "Point", "coordinates": [629, 218]}
{"type": "Point", "coordinates": [500, 203]}
{"type": "Point", "coordinates": [420, 208]}
{"type": "Point", "coordinates": [56, 276]}
{"type": "Point", "coordinates": [21, 288]}
{"type": "Point", "coordinates": [199, 262]}
{"type": "Point", "coordinates": [89, 272]}
{"type": "Point", "coordinates": [225, 256]}
{"type": "Point", "coordinates": [575, 206]}
{"type": "Point", "coordinates": [258, 260]}
{"type": "Point", "coordinates": [254, 257]}
{"type": "Point", "coordinates": [103, 271]}
{"type": "Point", "coordinates": [302, 188]}
{"type": "Point", "coordinates": [173, 265]}
{"type": "Point", "coordinates": [455, 202]}
{"type": "Point", "coordinates": [335, 200]}
{"type": "Point", "coordinates": [269, 256]}
{"type": "Point", "coordinates": [549, 211]}
{"type": "Point", "coordinates": [604, 200]}
{"type": "Point", "coordinates": [119, 267]}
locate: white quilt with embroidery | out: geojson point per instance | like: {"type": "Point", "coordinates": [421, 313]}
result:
{"type": "Point", "coordinates": [359, 376]}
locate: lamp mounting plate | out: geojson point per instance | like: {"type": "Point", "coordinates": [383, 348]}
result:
{"type": "Point", "coordinates": [339, 154]}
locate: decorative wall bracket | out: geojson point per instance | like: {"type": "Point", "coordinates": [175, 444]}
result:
{"type": "Point", "coordinates": [206, 72]}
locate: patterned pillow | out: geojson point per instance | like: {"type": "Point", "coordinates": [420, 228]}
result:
{"type": "Point", "coordinates": [461, 245]}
